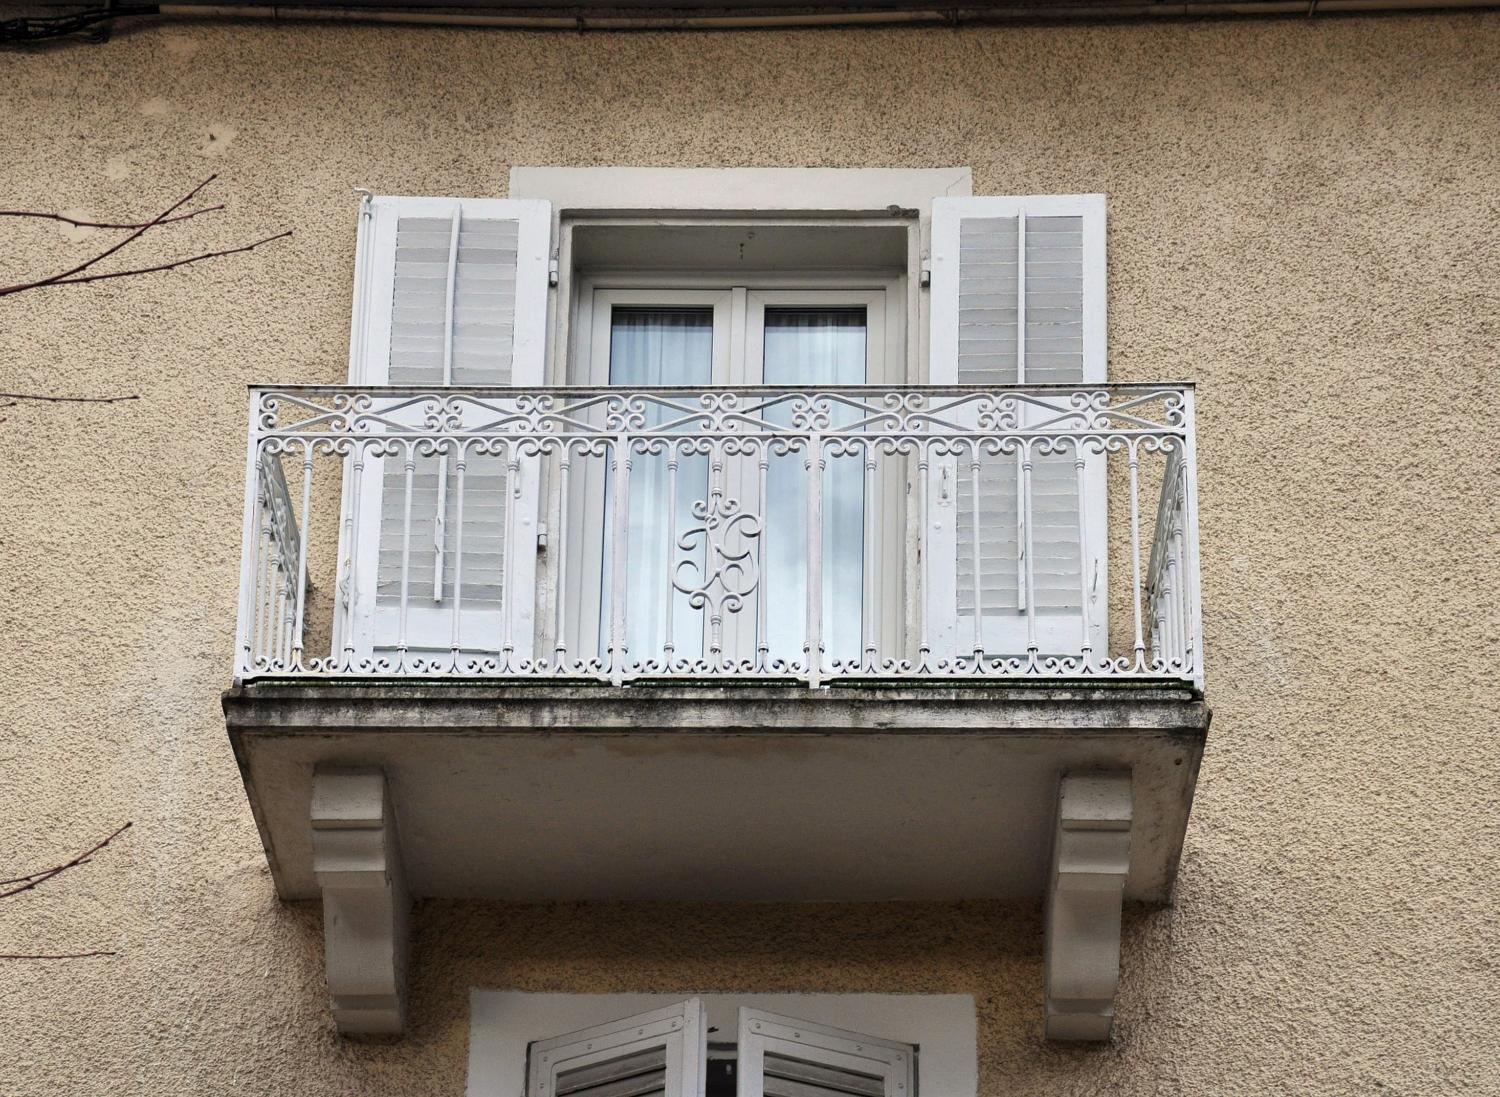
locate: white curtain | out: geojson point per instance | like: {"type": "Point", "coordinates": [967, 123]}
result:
{"type": "Point", "coordinates": [815, 347]}
{"type": "Point", "coordinates": [651, 348]}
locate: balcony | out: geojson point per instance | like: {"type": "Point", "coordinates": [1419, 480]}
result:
{"type": "Point", "coordinates": [833, 644]}
{"type": "Point", "coordinates": [816, 536]}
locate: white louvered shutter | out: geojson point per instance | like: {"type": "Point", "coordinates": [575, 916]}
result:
{"type": "Point", "coordinates": [1017, 298]}
{"type": "Point", "coordinates": [451, 292]}
{"type": "Point", "coordinates": [785, 1057]}
{"type": "Point", "coordinates": [663, 1053]}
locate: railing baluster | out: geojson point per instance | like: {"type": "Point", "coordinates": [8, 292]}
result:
{"type": "Point", "coordinates": [1170, 617]}
{"type": "Point", "coordinates": [978, 553]}
{"type": "Point", "coordinates": [510, 491]}
{"type": "Point", "coordinates": [244, 623]}
{"type": "Point", "coordinates": [715, 609]}
{"type": "Point", "coordinates": [870, 594]}
{"type": "Point", "coordinates": [813, 645]}
{"type": "Point", "coordinates": [1180, 544]}
{"type": "Point", "coordinates": [460, 464]}
{"type": "Point", "coordinates": [1161, 640]}
{"type": "Point", "coordinates": [300, 617]}
{"type": "Point", "coordinates": [560, 591]}
{"type": "Point", "coordinates": [619, 555]}
{"type": "Point", "coordinates": [1194, 591]}
{"type": "Point", "coordinates": [286, 610]}
{"type": "Point", "coordinates": [924, 550]}
{"type": "Point", "coordinates": [1135, 552]}
{"type": "Point", "coordinates": [271, 628]}
{"type": "Point", "coordinates": [405, 553]}
{"type": "Point", "coordinates": [762, 636]}
{"type": "Point", "coordinates": [351, 576]}
{"type": "Point", "coordinates": [265, 573]}
{"type": "Point", "coordinates": [1085, 615]}
{"type": "Point", "coordinates": [1027, 554]}
{"type": "Point", "coordinates": [1023, 516]}
{"type": "Point", "coordinates": [667, 647]}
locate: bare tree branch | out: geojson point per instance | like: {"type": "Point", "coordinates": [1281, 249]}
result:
{"type": "Point", "coordinates": [26, 883]}
{"type": "Point", "coordinates": [107, 252]}
{"type": "Point", "coordinates": [159, 267]}
{"type": "Point", "coordinates": [12, 397]}
{"type": "Point", "coordinates": [53, 955]}
{"type": "Point", "coordinates": [106, 224]}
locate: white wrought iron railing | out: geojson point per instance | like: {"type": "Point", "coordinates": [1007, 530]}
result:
{"type": "Point", "coordinates": [818, 535]}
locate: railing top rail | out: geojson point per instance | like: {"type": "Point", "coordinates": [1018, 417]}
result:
{"type": "Point", "coordinates": [1097, 413]}
{"type": "Point", "coordinates": [756, 390]}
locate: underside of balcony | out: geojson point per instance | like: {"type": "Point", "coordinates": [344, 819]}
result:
{"type": "Point", "coordinates": [542, 792]}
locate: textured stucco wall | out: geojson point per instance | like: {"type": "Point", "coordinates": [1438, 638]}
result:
{"type": "Point", "coordinates": [1302, 219]}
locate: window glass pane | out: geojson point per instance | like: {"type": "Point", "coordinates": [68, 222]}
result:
{"type": "Point", "coordinates": [815, 347]}
{"type": "Point", "coordinates": [650, 348]}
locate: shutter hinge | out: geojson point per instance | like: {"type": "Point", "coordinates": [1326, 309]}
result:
{"type": "Point", "coordinates": [552, 272]}
{"type": "Point", "coordinates": [924, 278]}
{"type": "Point", "coordinates": [541, 537]}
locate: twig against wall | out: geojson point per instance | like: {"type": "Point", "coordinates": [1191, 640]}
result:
{"type": "Point", "coordinates": [13, 398]}
{"type": "Point", "coordinates": [82, 273]}
{"type": "Point", "coordinates": [31, 880]}
{"type": "Point", "coordinates": [76, 223]}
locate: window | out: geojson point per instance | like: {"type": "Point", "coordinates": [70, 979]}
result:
{"type": "Point", "coordinates": [778, 1045]}
{"type": "Point", "coordinates": [454, 292]}
{"type": "Point", "coordinates": [773, 331]}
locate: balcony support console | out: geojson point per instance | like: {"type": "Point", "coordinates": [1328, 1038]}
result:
{"type": "Point", "coordinates": [356, 861]}
{"type": "Point", "coordinates": [1090, 864]}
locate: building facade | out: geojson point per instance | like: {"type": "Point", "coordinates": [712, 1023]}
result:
{"type": "Point", "coordinates": [996, 399]}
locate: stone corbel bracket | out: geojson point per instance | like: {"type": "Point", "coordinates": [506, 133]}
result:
{"type": "Point", "coordinates": [1090, 859]}
{"type": "Point", "coordinates": [357, 860]}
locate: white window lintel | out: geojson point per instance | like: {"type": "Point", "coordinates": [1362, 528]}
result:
{"type": "Point", "coordinates": [626, 190]}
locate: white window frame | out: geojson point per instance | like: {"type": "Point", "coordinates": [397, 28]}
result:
{"type": "Point", "coordinates": [948, 631]}
{"type": "Point", "coordinates": [363, 624]}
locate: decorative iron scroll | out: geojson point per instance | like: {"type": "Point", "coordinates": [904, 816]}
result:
{"type": "Point", "coordinates": [731, 569]}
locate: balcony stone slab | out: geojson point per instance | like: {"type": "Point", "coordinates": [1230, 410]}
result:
{"type": "Point", "coordinates": [544, 791]}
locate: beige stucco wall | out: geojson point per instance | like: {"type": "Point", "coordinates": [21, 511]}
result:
{"type": "Point", "coordinates": [1302, 219]}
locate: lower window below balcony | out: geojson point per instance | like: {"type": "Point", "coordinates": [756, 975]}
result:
{"type": "Point", "coordinates": [721, 1045]}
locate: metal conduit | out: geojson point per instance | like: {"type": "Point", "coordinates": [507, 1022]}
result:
{"type": "Point", "coordinates": [636, 17]}
{"type": "Point", "coordinates": [763, 20]}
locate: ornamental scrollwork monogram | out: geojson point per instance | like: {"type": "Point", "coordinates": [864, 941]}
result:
{"type": "Point", "coordinates": [730, 571]}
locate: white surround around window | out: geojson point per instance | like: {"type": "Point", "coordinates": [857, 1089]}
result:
{"type": "Point", "coordinates": [942, 1027]}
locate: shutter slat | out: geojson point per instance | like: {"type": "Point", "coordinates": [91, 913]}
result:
{"type": "Point", "coordinates": [614, 1070]}
{"type": "Point", "coordinates": [786, 1087]}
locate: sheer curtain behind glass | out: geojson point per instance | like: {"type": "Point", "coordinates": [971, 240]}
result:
{"type": "Point", "coordinates": [651, 348]}
{"type": "Point", "coordinates": [815, 347]}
